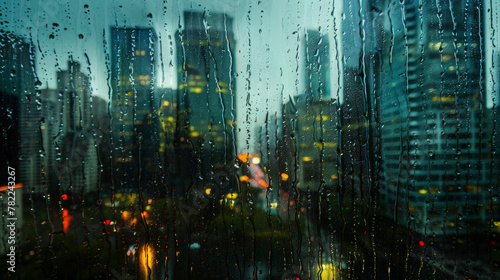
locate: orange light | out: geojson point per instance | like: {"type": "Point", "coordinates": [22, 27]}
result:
{"type": "Point", "coordinates": [145, 214]}
{"type": "Point", "coordinates": [263, 184]}
{"type": "Point", "coordinates": [284, 176]}
{"type": "Point", "coordinates": [66, 220]}
{"type": "Point", "coordinates": [244, 178]}
{"type": "Point", "coordinates": [244, 157]}
{"type": "Point", "coordinates": [16, 186]}
{"type": "Point", "coordinates": [125, 215]}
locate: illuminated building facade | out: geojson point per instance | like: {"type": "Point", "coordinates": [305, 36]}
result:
{"type": "Point", "coordinates": [206, 79]}
{"type": "Point", "coordinates": [315, 113]}
{"type": "Point", "coordinates": [134, 122]}
{"type": "Point", "coordinates": [438, 169]}
{"type": "Point", "coordinates": [317, 136]}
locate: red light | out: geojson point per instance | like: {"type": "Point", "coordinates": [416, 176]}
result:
{"type": "Point", "coordinates": [493, 243]}
{"type": "Point", "coordinates": [421, 243]}
{"type": "Point", "coordinates": [64, 196]}
{"type": "Point", "coordinates": [108, 222]}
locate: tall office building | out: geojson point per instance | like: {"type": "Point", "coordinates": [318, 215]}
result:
{"type": "Point", "coordinates": [52, 116]}
{"type": "Point", "coordinates": [206, 80]}
{"type": "Point", "coordinates": [18, 132]}
{"type": "Point", "coordinates": [69, 110]}
{"type": "Point", "coordinates": [317, 140]}
{"type": "Point", "coordinates": [134, 123]}
{"type": "Point", "coordinates": [17, 83]}
{"type": "Point", "coordinates": [17, 59]}
{"type": "Point", "coordinates": [315, 111]}
{"type": "Point", "coordinates": [101, 128]}
{"type": "Point", "coordinates": [354, 146]}
{"type": "Point", "coordinates": [317, 54]}
{"type": "Point", "coordinates": [437, 167]}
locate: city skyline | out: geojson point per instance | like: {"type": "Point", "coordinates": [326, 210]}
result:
{"type": "Point", "coordinates": [244, 141]}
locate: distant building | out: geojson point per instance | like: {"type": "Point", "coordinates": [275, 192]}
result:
{"type": "Point", "coordinates": [76, 155]}
{"type": "Point", "coordinates": [134, 123]}
{"type": "Point", "coordinates": [17, 84]}
{"type": "Point", "coordinates": [354, 146]}
{"type": "Point", "coordinates": [17, 58]}
{"type": "Point", "coordinates": [52, 122]}
{"type": "Point", "coordinates": [317, 140]}
{"type": "Point", "coordinates": [437, 164]}
{"type": "Point", "coordinates": [168, 119]}
{"type": "Point", "coordinates": [101, 127]}
{"type": "Point", "coordinates": [18, 131]}
{"type": "Point", "coordinates": [307, 148]}
{"type": "Point", "coordinates": [206, 79]}
{"type": "Point", "coordinates": [317, 54]}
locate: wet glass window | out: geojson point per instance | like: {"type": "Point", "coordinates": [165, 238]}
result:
{"type": "Point", "coordinates": [249, 139]}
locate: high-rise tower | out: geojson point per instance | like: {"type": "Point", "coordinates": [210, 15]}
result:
{"type": "Point", "coordinates": [437, 164]}
{"type": "Point", "coordinates": [206, 80]}
{"type": "Point", "coordinates": [134, 121]}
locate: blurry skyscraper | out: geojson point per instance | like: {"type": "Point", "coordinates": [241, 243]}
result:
{"type": "Point", "coordinates": [317, 54]}
{"type": "Point", "coordinates": [19, 132]}
{"type": "Point", "coordinates": [69, 109]}
{"type": "Point", "coordinates": [438, 173]}
{"type": "Point", "coordinates": [22, 108]}
{"type": "Point", "coordinates": [134, 120]}
{"type": "Point", "coordinates": [206, 80]}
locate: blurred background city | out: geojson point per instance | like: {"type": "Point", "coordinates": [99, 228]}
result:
{"type": "Point", "coordinates": [250, 140]}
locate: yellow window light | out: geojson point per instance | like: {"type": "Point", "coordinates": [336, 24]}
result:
{"type": "Point", "coordinates": [223, 90]}
{"type": "Point", "coordinates": [284, 176]}
{"type": "Point", "coordinates": [307, 159]}
{"type": "Point", "coordinates": [232, 195]}
{"type": "Point", "coordinates": [244, 178]}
